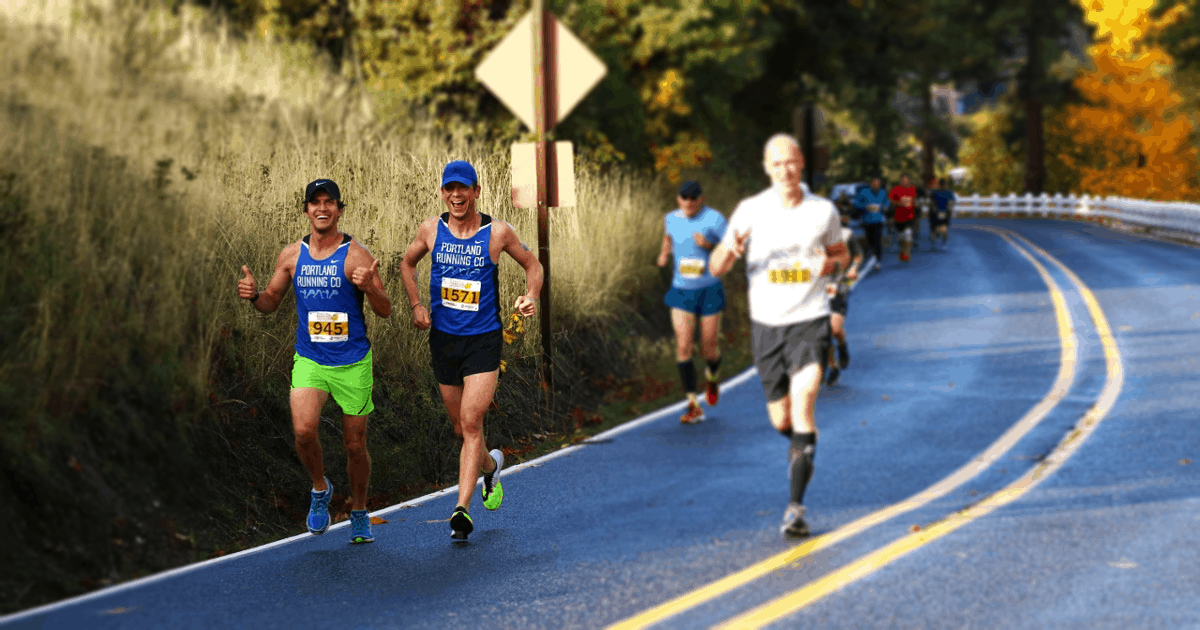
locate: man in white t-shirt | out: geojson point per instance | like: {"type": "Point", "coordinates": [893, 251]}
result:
{"type": "Point", "coordinates": [792, 240]}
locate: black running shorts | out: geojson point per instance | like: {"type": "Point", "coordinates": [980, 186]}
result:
{"type": "Point", "coordinates": [456, 356]}
{"type": "Point", "coordinates": [782, 351]}
{"type": "Point", "coordinates": [840, 300]}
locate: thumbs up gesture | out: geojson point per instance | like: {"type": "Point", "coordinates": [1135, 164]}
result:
{"type": "Point", "coordinates": [363, 277]}
{"type": "Point", "coordinates": [247, 287]}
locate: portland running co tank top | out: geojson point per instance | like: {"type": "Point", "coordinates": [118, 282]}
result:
{"type": "Point", "coordinates": [331, 330]}
{"type": "Point", "coordinates": [463, 281]}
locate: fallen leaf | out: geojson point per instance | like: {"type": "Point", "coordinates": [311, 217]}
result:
{"type": "Point", "coordinates": [1125, 328]}
{"type": "Point", "coordinates": [1123, 563]}
{"type": "Point", "coordinates": [1185, 461]}
{"type": "Point", "coordinates": [914, 528]}
{"type": "Point", "coordinates": [885, 397]}
{"type": "Point", "coordinates": [377, 520]}
{"type": "Point", "coordinates": [120, 610]}
{"type": "Point", "coordinates": [864, 423]}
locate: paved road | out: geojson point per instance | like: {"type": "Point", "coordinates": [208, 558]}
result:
{"type": "Point", "coordinates": [951, 352]}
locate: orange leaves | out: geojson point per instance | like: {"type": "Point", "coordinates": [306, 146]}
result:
{"type": "Point", "coordinates": [1132, 139]}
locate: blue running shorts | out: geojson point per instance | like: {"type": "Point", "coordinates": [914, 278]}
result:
{"type": "Point", "coordinates": [707, 301]}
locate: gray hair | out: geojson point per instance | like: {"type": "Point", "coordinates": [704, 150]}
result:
{"type": "Point", "coordinates": [780, 136]}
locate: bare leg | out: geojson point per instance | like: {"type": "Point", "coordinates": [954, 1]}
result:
{"type": "Point", "coordinates": [358, 460]}
{"type": "Point", "coordinates": [803, 395]}
{"type": "Point", "coordinates": [306, 403]}
{"type": "Point", "coordinates": [467, 405]}
{"type": "Point", "coordinates": [710, 331]}
{"type": "Point", "coordinates": [684, 324]}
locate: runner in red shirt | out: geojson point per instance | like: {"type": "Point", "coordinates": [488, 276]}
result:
{"type": "Point", "coordinates": [903, 199]}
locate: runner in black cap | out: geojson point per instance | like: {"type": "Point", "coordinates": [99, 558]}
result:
{"type": "Point", "coordinates": [333, 275]}
{"type": "Point", "coordinates": [691, 232]}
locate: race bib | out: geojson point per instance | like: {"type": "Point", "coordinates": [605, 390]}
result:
{"type": "Point", "coordinates": [328, 327]}
{"type": "Point", "coordinates": [873, 207]}
{"type": "Point", "coordinates": [691, 268]}
{"type": "Point", "coordinates": [943, 214]}
{"type": "Point", "coordinates": [785, 273]}
{"type": "Point", "coordinates": [906, 201]}
{"type": "Point", "coordinates": [462, 295]}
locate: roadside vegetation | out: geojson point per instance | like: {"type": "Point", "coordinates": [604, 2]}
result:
{"type": "Point", "coordinates": [145, 156]}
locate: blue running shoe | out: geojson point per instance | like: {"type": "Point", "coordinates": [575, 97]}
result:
{"type": "Point", "coordinates": [360, 527]}
{"type": "Point", "coordinates": [318, 510]}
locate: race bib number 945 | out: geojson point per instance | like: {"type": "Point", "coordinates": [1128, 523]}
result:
{"type": "Point", "coordinates": [462, 295]}
{"type": "Point", "coordinates": [328, 327]}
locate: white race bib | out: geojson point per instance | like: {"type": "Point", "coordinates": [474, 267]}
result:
{"type": "Point", "coordinates": [691, 268]}
{"type": "Point", "coordinates": [462, 295]}
{"type": "Point", "coordinates": [328, 327]}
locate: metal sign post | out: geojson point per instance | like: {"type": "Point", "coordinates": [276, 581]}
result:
{"type": "Point", "coordinates": [541, 94]}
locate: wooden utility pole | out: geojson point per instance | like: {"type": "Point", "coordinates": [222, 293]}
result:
{"type": "Point", "coordinates": [545, 101]}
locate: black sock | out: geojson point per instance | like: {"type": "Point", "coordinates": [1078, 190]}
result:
{"type": "Point", "coordinates": [713, 366]}
{"type": "Point", "coordinates": [800, 466]}
{"type": "Point", "coordinates": [687, 372]}
{"type": "Point", "coordinates": [787, 433]}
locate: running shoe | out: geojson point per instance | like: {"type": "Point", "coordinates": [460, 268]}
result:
{"type": "Point", "coordinates": [904, 257]}
{"type": "Point", "coordinates": [493, 492]}
{"type": "Point", "coordinates": [831, 376]}
{"type": "Point", "coordinates": [360, 527]}
{"type": "Point", "coordinates": [843, 353]}
{"type": "Point", "coordinates": [460, 524]}
{"type": "Point", "coordinates": [318, 509]}
{"type": "Point", "coordinates": [693, 415]}
{"type": "Point", "coordinates": [794, 525]}
{"type": "Point", "coordinates": [712, 392]}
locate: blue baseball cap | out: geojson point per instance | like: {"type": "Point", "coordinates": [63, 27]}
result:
{"type": "Point", "coordinates": [322, 184]}
{"type": "Point", "coordinates": [459, 171]}
{"type": "Point", "coordinates": [690, 188]}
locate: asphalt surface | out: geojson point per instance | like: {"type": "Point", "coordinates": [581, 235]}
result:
{"type": "Point", "coordinates": [949, 351]}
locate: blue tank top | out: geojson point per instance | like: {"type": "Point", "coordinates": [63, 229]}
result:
{"type": "Point", "coordinates": [463, 281]}
{"type": "Point", "coordinates": [331, 329]}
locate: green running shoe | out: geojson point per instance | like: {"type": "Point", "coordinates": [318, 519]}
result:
{"type": "Point", "coordinates": [493, 492]}
{"type": "Point", "coordinates": [460, 524]}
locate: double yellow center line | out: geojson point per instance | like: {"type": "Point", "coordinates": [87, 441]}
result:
{"type": "Point", "coordinates": [791, 602]}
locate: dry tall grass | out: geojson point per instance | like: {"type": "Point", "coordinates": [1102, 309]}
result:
{"type": "Point", "coordinates": [227, 132]}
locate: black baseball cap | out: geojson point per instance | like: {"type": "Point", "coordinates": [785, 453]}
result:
{"type": "Point", "coordinates": [326, 185]}
{"type": "Point", "coordinates": [690, 188]}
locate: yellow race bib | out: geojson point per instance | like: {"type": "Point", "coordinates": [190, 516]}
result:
{"type": "Point", "coordinates": [462, 295]}
{"type": "Point", "coordinates": [328, 327]}
{"type": "Point", "coordinates": [793, 274]}
{"type": "Point", "coordinates": [691, 268]}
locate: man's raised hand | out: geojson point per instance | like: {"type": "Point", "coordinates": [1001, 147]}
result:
{"type": "Point", "coordinates": [363, 277]}
{"type": "Point", "coordinates": [247, 287]}
{"type": "Point", "coordinates": [739, 244]}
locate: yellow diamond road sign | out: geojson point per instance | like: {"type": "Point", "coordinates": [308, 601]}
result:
{"type": "Point", "coordinates": [508, 71]}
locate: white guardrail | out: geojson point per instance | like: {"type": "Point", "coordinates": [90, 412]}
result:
{"type": "Point", "coordinates": [1178, 218]}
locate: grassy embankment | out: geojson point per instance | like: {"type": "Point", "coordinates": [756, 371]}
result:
{"type": "Point", "coordinates": [144, 157]}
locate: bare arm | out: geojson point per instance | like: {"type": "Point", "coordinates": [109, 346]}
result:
{"type": "Point", "coordinates": [722, 258]}
{"type": "Point", "coordinates": [836, 259]}
{"type": "Point", "coordinates": [267, 300]}
{"type": "Point", "coordinates": [408, 272]}
{"type": "Point", "coordinates": [666, 250]}
{"type": "Point", "coordinates": [512, 245]}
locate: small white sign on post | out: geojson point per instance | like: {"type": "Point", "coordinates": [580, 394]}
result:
{"type": "Point", "coordinates": [524, 174]}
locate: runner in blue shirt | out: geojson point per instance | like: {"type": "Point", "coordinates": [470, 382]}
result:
{"type": "Point", "coordinates": [463, 320]}
{"type": "Point", "coordinates": [873, 203]}
{"type": "Point", "coordinates": [943, 207]}
{"type": "Point", "coordinates": [333, 275]}
{"type": "Point", "coordinates": [691, 232]}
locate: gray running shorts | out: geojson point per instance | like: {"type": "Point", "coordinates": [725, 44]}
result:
{"type": "Point", "coordinates": [782, 351]}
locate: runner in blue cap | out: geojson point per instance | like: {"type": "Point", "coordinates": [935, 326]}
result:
{"type": "Point", "coordinates": [463, 320]}
{"type": "Point", "coordinates": [691, 232]}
